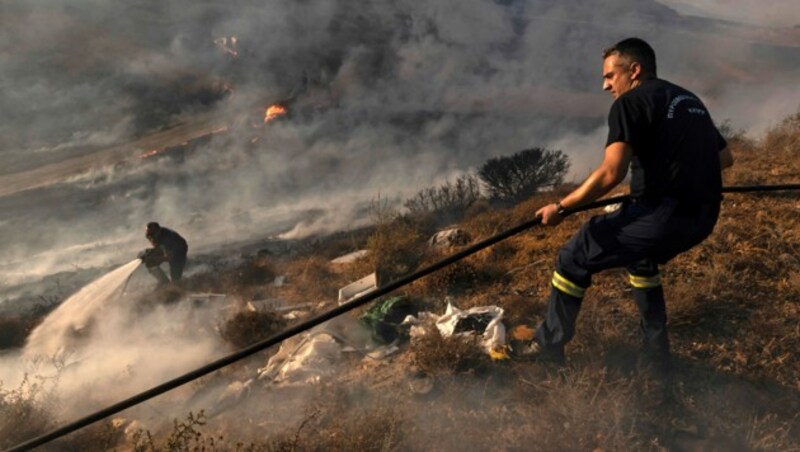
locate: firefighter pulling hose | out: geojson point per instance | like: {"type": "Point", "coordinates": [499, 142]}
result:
{"type": "Point", "coordinates": [665, 135]}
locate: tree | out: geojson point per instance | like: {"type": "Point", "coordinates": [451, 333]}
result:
{"type": "Point", "coordinates": [521, 175]}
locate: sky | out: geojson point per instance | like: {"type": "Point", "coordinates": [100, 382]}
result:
{"type": "Point", "coordinates": [766, 13]}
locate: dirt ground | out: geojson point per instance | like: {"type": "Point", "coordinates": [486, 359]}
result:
{"type": "Point", "coordinates": [733, 305]}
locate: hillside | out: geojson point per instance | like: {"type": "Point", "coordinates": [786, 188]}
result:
{"type": "Point", "coordinates": [733, 304]}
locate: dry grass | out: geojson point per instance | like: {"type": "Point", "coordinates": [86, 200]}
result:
{"type": "Point", "coordinates": [248, 327]}
{"type": "Point", "coordinates": [733, 305]}
{"type": "Point", "coordinates": [25, 412]}
{"type": "Point", "coordinates": [311, 279]}
{"type": "Point", "coordinates": [396, 248]}
{"type": "Point", "coordinates": [436, 355]}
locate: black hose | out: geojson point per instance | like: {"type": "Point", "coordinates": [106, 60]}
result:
{"type": "Point", "coordinates": [308, 324]}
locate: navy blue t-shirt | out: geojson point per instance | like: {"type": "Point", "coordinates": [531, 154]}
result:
{"type": "Point", "coordinates": [675, 143]}
{"type": "Point", "coordinates": [171, 242]}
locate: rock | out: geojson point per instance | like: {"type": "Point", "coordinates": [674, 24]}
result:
{"type": "Point", "coordinates": [351, 257]}
{"type": "Point", "coordinates": [449, 238]}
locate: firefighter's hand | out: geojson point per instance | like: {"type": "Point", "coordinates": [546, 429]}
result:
{"type": "Point", "coordinates": [549, 215]}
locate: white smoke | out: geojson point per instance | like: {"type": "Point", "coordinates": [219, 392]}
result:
{"type": "Point", "coordinates": [384, 97]}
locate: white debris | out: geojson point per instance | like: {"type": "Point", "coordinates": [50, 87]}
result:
{"type": "Point", "coordinates": [351, 257]}
{"type": "Point", "coordinates": [449, 238]}
{"type": "Point", "coordinates": [489, 320]}
{"type": "Point", "coordinates": [309, 358]}
{"type": "Point", "coordinates": [358, 288]}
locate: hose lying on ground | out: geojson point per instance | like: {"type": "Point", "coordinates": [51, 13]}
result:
{"type": "Point", "coordinates": [310, 323]}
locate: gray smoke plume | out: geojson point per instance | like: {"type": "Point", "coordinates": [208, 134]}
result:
{"type": "Point", "coordinates": [384, 97]}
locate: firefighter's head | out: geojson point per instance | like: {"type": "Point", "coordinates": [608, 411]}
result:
{"type": "Point", "coordinates": [152, 231]}
{"type": "Point", "coordinates": [626, 65]}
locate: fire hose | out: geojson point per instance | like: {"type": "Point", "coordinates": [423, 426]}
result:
{"type": "Point", "coordinates": [335, 312]}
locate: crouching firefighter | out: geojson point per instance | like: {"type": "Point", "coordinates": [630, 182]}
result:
{"type": "Point", "coordinates": [168, 246]}
{"type": "Point", "coordinates": [665, 135]}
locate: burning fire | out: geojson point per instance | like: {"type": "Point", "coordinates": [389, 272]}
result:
{"type": "Point", "coordinates": [149, 153]}
{"type": "Point", "coordinates": [273, 112]}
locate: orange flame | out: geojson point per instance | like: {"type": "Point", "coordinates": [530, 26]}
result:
{"type": "Point", "coordinates": [273, 112]}
{"type": "Point", "coordinates": [149, 153]}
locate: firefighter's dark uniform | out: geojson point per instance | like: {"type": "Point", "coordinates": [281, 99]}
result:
{"type": "Point", "coordinates": [174, 249]}
{"type": "Point", "coordinates": [676, 187]}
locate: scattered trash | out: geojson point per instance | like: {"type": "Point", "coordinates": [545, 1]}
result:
{"type": "Point", "coordinates": [275, 305]}
{"type": "Point", "coordinates": [385, 318]}
{"type": "Point", "coordinates": [309, 358]}
{"type": "Point", "coordinates": [449, 238]}
{"type": "Point", "coordinates": [358, 288]}
{"type": "Point", "coordinates": [485, 321]}
{"type": "Point", "coordinates": [351, 257]}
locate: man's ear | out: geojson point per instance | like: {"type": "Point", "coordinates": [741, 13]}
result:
{"type": "Point", "coordinates": [636, 70]}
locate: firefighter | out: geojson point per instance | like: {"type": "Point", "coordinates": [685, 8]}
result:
{"type": "Point", "coordinates": [168, 246]}
{"type": "Point", "coordinates": [666, 136]}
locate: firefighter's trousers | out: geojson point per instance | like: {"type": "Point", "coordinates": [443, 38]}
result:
{"type": "Point", "coordinates": [638, 236]}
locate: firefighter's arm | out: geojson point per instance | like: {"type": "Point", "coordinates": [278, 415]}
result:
{"type": "Point", "coordinates": [608, 175]}
{"type": "Point", "coordinates": [725, 158]}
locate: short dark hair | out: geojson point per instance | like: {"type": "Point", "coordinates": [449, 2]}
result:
{"type": "Point", "coordinates": [153, 226]}
{"type": "Point", "coordinates": [636, 49]}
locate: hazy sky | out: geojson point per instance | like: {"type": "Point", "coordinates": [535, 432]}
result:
{"type": "Point", "coordinates": [770, 13]}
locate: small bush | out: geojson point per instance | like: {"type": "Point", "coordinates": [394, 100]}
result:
{"type": "Point", "coordinates": [312, 279]}
{"type": "Point", "coordinates": [104, 435]}
{"type": "Point", "coordinates": [450, 280]}
{"type": "Point", "coordinates": [24, 413]}
{"type": "Point", "coordinates": [395, 245]}
{"type": "Point", "coordinates": [254, 272]}
{"type": "Point", "coordinates": [438, 355]}
{"type": "Point", "coordinates": [248, 327]}
{"type": "Point", "coordinates": [524, 173]}
{"type": "Point", "coordinates": [785, 137]}
{"type": "Point", "coordinates": [185, 436]}
{"type": "Point", "coordinates": [446, 198]}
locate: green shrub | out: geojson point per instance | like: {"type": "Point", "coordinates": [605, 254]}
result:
{"type": "Point", "coordinates": [521, 175]}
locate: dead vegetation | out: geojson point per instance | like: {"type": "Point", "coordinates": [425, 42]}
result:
{"type": "Point", "coordinates": [733, 303]}
{"type": "Point", "coordinates": [248, 327]}
{"type": "Point", "coordinates": [440, 356]}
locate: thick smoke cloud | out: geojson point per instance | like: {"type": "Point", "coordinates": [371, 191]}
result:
{"type": "Point", "coordinates": [385, 98]}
